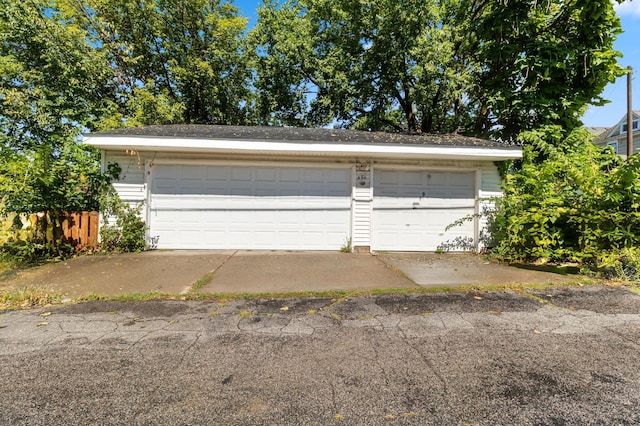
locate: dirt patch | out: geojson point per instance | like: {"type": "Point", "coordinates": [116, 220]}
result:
{"type": "Point", "coordinates": [149, 309]}
{"type": "Point", "coordinates": [504, 301]}
{"type": "Point", "coordinates": [605, 300]}
{"type": "Point", "coordinates": [285, 306]}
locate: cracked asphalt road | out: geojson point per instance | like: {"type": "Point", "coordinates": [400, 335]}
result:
{"type": "Point", "coordinates": [552, 357]}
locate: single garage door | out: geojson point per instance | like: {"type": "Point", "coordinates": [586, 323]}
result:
{"type": "Point", "coordinates": [411, 210]}
{"type": "Point", "coordinates": [250, 207]}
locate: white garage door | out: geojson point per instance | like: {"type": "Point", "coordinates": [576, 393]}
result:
{"type": "Point", "coordinates": [250, 207]}
{"type": "Point", "coordinates": [411, 210]}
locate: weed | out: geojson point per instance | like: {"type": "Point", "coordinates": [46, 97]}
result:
{"type": "Point", "coordinates": [214, 314]}
{"type": "Point", "coordinates": [312, 312]}
{"type": "Point", "coordinates": [346, 248]}
{"type": "Point", "coordinates": [245, 314]}
{"type": "Point", "coordinates": [201, 282]}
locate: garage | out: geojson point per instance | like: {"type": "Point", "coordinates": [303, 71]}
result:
{"type": "Point", "coordinates": [412, 208]}
{"type": "Point", "coordinates": [215, 206]}
{"type": "Point", "coordinates": [288, 188]}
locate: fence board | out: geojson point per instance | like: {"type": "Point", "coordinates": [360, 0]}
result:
{"type": "Point", "coordinates": [80, 229]}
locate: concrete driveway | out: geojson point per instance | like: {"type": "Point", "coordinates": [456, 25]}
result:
{"type": "Point", "coordinates": [175, 272]}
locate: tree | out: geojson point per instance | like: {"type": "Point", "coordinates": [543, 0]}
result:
{"type": "Point", "coordinates": [52, 79]}
{"type": "Point", "coordinates": [174, 61]}
{"type": "Point", "coordinates": [479, 67]}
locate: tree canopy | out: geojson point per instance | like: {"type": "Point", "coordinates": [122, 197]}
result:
{"type": "Point", "coordinates": [488, 68]}
{"type": "Point", "coordinates": [479, 67]}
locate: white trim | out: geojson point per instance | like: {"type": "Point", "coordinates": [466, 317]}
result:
{"type": "Point", "coordinates": [253, 163]}
{"type": "Point", "coordinates": [409, 167]}
{"type": "Point", "coordinates": [228, 146]}
{"type": "Point", "coordinates": [476, 219]}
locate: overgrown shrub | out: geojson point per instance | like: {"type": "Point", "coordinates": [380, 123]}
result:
{"type": "Point", "coordinates": [570, 200]}
{"type": "Point", "coordinates": [124, 230]}
{"type": "Point", "coordinates": [127, 234]}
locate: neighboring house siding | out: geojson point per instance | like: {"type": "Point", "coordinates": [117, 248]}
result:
{"type": "Point", "coordinates": [616, 136]}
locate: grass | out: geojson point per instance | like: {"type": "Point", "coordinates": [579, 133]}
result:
{"type": "Point", "coordinates": [15, 298]}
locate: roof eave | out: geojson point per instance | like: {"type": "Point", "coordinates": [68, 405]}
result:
{"type": "Point", "coordinates": [316, 149]}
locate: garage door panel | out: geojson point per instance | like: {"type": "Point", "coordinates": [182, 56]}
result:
{"type": "Point", "coordinates": [412, 209]}
{"type": "Point", "coordinates": [250, 207]}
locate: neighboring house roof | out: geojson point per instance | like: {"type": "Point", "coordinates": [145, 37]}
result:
{"type": "Point", "coordinates": [596, 131]}
{"type": "Point", "coordinates": [615, 130]}
{"type": "Point", "coordinates": [300, 141]}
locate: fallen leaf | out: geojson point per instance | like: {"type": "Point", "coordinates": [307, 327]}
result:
{"type": "Point", "coordinates": [495, 312]}
{"type": "Point", "coordinates": [477, 297]}
{"type": "Point", "coordinates": [45, 314]}
{"type": "Point", "coordinates": [40, 324]}
{"type": "Point", "coordinates": [284, 308]}
{"type": "Point", "coordinates": [389, 416]}
{"type": "Point", "coordinates": [338, 417]}
{"type": "Point", "coordinates": [537, 331]}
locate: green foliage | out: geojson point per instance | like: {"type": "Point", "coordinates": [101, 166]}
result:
{"type": "Point", "coordinates": [570, 201]}
{"type": "Point", "coordinates": [172, 61]}
{"type": "Point", "coordinates": [490, 68]}
{"type": "Point", "coordinates": [127, 233]}
{"type": "Point", "coordinates": [53, 80]}
{"type": "Point", "coordinates": [64, 179]}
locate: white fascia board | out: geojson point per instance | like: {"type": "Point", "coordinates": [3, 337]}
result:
{"type": "Point", "coordinates": [332, 150]}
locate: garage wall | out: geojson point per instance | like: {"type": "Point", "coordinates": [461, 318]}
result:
{"type": "Point", "coordinates": [489, 188]}
{"type": "Point", "coordinates": [135, 187]}
{"type": "Point", "coordinates": [131, 187]}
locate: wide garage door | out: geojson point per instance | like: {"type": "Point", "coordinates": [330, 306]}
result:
{"type": "Point", "coordinates": [412, 208]}
{"type": "Point", "coordinates": [250, 207]}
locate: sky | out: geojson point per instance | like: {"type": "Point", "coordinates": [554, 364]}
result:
{"type": "Point", "coordinates": [628, 43]}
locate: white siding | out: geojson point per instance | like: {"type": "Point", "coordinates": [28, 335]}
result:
{"type": "Point", "coordinates": [489, 189]}
{"type": "Point", "coordinates": [361, 218]}
{"type": "Point", "coordinates": [131, 186]}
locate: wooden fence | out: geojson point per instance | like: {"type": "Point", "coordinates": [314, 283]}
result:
{"type": "Point", "coordinates": [80, 229]}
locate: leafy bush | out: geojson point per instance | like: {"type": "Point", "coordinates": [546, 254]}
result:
{"type": "Point", "coordinates": [570, 200]}
{"type": "Point", "coordinates": [127, 233]}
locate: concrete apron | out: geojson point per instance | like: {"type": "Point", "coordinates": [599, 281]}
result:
{"type": "Point", "coordinates": [175, 272]}
{"type": "Point", "coordinates": [282, 271]}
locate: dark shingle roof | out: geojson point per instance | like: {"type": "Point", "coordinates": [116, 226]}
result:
{"type": "Point", "coordinates": [294, 134]}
